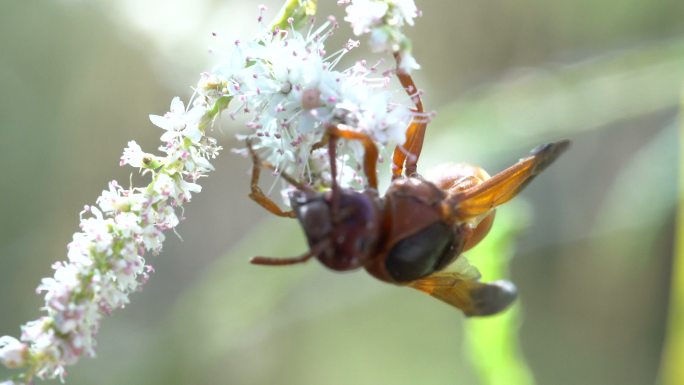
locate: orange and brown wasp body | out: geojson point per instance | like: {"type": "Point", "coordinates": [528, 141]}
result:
{"type": "Point", "coordinates": [409, 235]}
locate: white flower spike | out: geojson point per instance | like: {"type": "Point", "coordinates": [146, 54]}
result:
{"type": "Point", "coordinates": [105, 259]}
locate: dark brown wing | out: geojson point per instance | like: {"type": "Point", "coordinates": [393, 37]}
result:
{"type": "Point", "coordinates": [473, 297]}
{"type": "Point", "coordinates": [505, 185]}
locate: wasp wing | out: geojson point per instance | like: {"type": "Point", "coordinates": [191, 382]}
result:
{"type": "Point", "coordinates": [505, 185]}
{"type": "Point", "coordinates": [473, 297]}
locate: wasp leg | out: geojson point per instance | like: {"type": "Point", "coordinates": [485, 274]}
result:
{"type": "Point", "coordinates": [370, 158]}
{"type": "Point", "coordinates": [257, 195]}
{"type": "Point", "coordinates": [409, 152]}
{"type": "Point", "coordinates": [335, 194]}
{"type": "Point", "coordinates": [269, 261]}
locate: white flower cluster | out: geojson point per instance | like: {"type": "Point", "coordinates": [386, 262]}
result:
{"type": "Point", "coordinates": [383, 20]}
{"type": "Point", "coordinates": [287, 85]}
{"type": "Point", "coordinates": [105, 259]}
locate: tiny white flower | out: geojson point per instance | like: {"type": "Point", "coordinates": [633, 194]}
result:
{"type": "Point", "coordinates": [98, 231]}
{"type": "Point", "coordinates": [187, 188]}
{"type": "Point", "coordinates": [178, 122]}
{"type": "Point", "coordinates": [365, 14]}
{"type": "Point", "coordinates": [152, 237]}
{"type": "Point", "coordinates": [33, 330]}
{"type": "Point", "coordinates": [408, 62]}
{"type": "Point", "coordinates": [211, 85]}
{"type": "Point", "coordinates": [127, 224]}
{"type": "Point", "coordinates": [172, 120]}
{"type": "Point", "coordinates": [165, 186]}
{"type": "Point", "coordinates": [79, 251]}
{"type": "Point", "coordinates": [383, 20]}
{"type": "Point", "coordinates": [407, 9]}
{"type": "Point", "coordinates": [167, 219]}
{"type": "Point", "coordinates": [133, 155]}
{"type": "Point", "coordinates": [200, 162]}
{"type": "Point", "coordinates": [67, 275]}
{"type": "Point", "coordinates": [13, 353]}
{"type": "Point", "coordinates": [193, 119]}
{"type": "Point", "coordinates": [111, 199]}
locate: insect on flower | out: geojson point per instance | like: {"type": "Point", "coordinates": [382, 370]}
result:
{"type": "Point", "coordinates": [418, 228]}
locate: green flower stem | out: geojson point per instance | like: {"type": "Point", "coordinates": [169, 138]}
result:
{"type": "Point", "coordinates": [492, 343]}
{"type": "Point", "coordinates": [672, 370]}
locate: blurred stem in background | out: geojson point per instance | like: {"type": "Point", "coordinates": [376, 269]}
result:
{"type": "Point", "coordinates": [492, 343]}
{"type": "Point", "coordinates": [672, 366]}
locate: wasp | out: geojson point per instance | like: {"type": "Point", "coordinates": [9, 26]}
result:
{"type": "Point", "coordinates": [409, 235]}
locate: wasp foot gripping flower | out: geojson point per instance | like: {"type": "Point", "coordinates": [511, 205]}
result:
{"type": "Point", "coordinates": [383, 20]}
{"type": "Point", "coordinates": [105, 260]}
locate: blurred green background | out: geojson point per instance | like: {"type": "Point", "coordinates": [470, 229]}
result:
{"type": "Point", "coordinates": [592, 257]}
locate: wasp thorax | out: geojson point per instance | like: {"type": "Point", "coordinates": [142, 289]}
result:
{"type": "Point", "coordinates": [457, 178]}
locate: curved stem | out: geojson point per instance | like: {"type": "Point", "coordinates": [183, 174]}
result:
{"type": "Point", "coordinates": [671, 368]}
